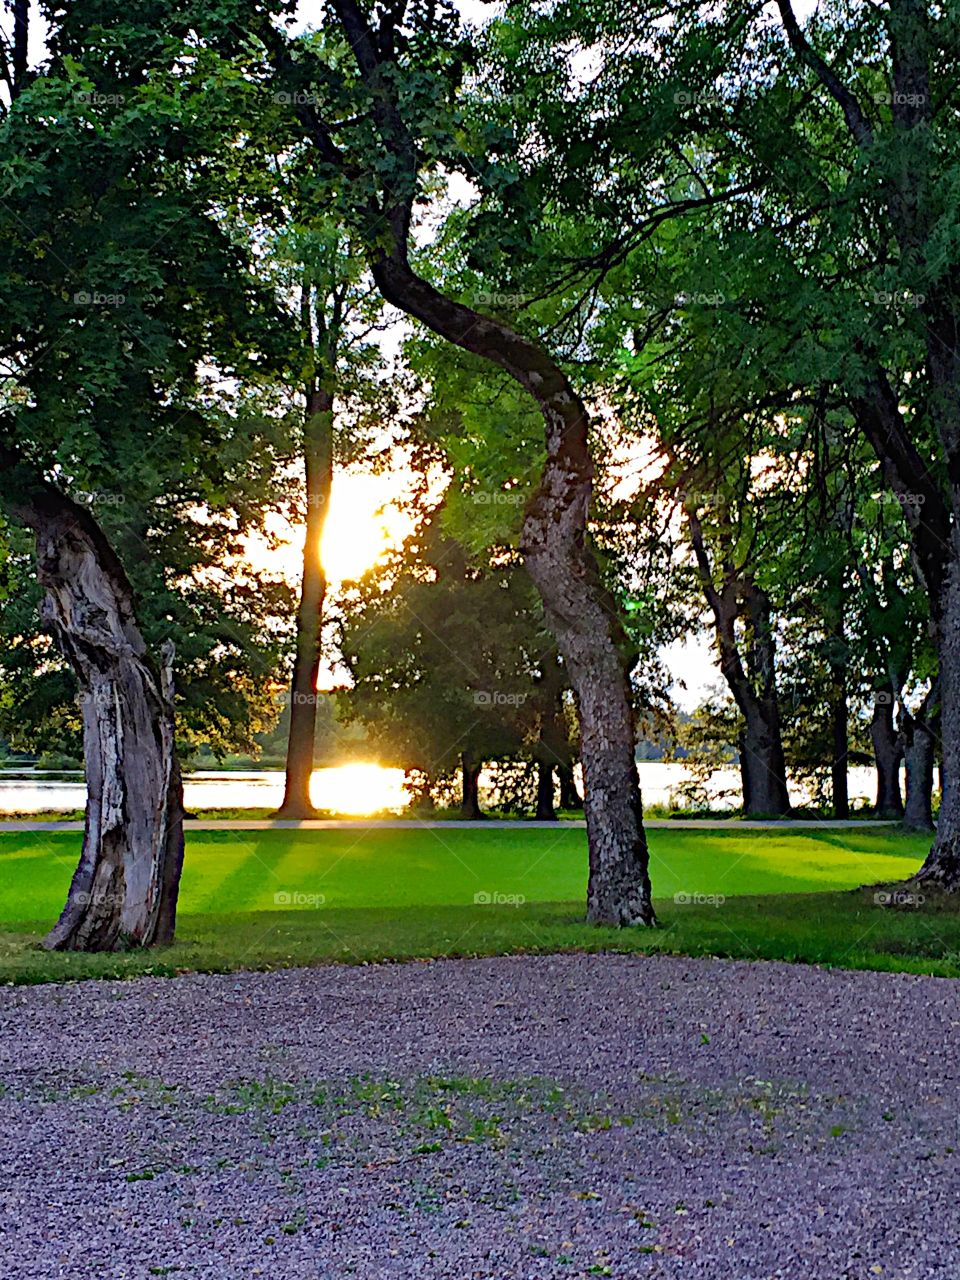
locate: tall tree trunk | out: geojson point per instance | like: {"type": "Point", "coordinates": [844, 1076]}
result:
{"type": "Point", "coordinates": [887, 754]}
{"type": "Point", "coordinates": [318, 468]}
{"type": "Point", "coordinates": [470, 788]}
{"type": "Point", "coordinates": [570, 797]}
{"type": "Point", "coordinates": [839, 716]}
{"type": "Point", "coordinates": [124, 891]}
{"type": "Point", "coordinates": [545, 806]}
{"type": "Point", "coordinates": [753, 684]}
{"type": "Point", "coordinates": [942, 866]}
{"type": "Point", "coordinates": [919, 750]}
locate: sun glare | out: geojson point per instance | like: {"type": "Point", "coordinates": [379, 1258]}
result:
{"type": "Point", "coordinates": [358, 789]}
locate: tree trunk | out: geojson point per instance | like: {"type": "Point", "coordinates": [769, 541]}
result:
{"type": "Point", "coordinates": [579, 611]}
{"type": "Point", "coordinates": [470, 789]}
{"type": "Point", "coordinates": [545, 808]}
{"type": "Point", "coordinates": [318, 467]}
{"type": "Point", "coordinates": [919, 751]}
{"type": "Point", "coordinates": [570, 797]}
{"type": "Point", "coordinates": [762, 766]}
{"type": "Point", "coordinates": [838, 762]}
{"type": "Point", "coordinates": [763, 772]}
{"type": "Point", "coordinates": [124, 891]}
{"type": "Point", "coordinates": [887, 754]}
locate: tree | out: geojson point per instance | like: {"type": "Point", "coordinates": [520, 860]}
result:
{"type": "Point", "coordinates": [399, 119]}
{"type": "Point", "coordinates": [448, 661]}
{"type": "Point", "coordinates": [113, 319]}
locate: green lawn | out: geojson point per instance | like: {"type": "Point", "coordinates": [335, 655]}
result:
{"type": "Point", "coordinates": [268, 898]}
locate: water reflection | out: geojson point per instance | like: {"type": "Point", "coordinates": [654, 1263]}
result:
{"type": "Point", "coordinates": [355, 789]}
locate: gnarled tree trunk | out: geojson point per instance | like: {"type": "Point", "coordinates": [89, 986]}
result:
{"type": "Point", "coordinates": [124, 891]}
{"type": "Point", "coordinates": [318, 468]}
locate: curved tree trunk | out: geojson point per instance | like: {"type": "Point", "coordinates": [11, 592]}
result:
{"type": "Point", "coordinates": [124, 891]}
{"type": "Point", "coordinates": [919, 751]}
{"type": "Point", "coordinates": [318, 467]}
{"type": "Point", "coordinates": [470, 788]}
{"type": "Point", "coordinates": [554, 544]}
{"type": "Point", "coordinates": [888, 754]}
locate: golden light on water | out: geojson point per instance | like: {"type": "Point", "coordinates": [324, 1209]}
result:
{"type": "Point", "coordinates": [358, 789]}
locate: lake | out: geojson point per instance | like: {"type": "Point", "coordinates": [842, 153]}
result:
{"type": "Point", "coordinates": [350, 788]}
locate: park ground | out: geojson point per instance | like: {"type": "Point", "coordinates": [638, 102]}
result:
{"type": "Point", "coordinates": [497, 1111]}
{"type": "Point", "coordinates": [282, 898]}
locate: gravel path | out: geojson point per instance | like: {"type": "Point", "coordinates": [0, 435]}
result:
{"type": "Point", "coordinates": [514, 1118]}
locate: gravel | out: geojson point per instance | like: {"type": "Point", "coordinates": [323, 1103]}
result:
{"type": "Point", "coordinates": [515, 1118]}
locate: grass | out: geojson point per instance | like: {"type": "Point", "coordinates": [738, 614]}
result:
{"type": "Point", "coordinates": [269, 899]}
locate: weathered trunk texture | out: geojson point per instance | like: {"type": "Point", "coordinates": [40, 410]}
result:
{"type": "Point", "coordinates": [920, 735]}
{"type": "Point", "coordinates": [942, 866]}
{"type": "Point", "coordinates": [888, 756]}
{"type": "Point", "coordinates": [546, 811]}
{"type": "Point", "coordinates": [318, 468]}
{"type": "Point", "coordinates": [470, 788]}
{"type": "Point", "coordinates": [124, 891]}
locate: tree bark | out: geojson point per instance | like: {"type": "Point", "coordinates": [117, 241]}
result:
{"type": "Point", "coordinates": [887, 754]}
{"type": "Point", "coordinates": [545, 806]}
{"type": "Point", "coordinates": [318, 469]}
{"type": "Point", "coordinates": [124, 891]}
{"type": "Point", "coordinates": [920, 733]}
{"type": "Point", "coordinates": [470, 788]}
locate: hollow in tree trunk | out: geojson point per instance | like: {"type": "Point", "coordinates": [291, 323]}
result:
{"type": "Point", "coordinates": [887, 754]}
{"type": "Point", "coordinates": [318, 467]}
{"type": "Point", "coordinates": [124, 890]}
{"type": "Point", "coordinates": [470, 788]}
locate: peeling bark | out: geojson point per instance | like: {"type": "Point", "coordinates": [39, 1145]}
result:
{"type": "Point", "coordinates": [124, 891]}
